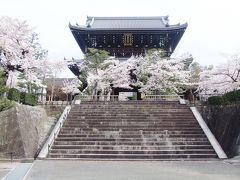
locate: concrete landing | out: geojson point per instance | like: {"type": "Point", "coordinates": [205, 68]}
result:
{"type": "Point", "coordinates": [19, 172]}
{"type": "Point", "coordinates": [130, 170]}
{"type": "Point", "coordinates": [6, 167]}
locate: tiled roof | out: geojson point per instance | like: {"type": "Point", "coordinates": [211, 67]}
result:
{"type": "Point", "coordinates": [127, 22]}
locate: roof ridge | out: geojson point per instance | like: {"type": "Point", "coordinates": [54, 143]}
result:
{"type": "Point", "coordinates": [125, 17]}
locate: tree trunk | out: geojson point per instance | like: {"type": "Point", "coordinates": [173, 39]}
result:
{"type": "Point", "coordinates": [52, 93]}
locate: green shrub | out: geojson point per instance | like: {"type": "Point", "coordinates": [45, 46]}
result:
{"type": "Point", "coordinates": [14, 95]}
{"type": "Point", "coordinates": [29, 98]}
{"type": "Point", "coordinates": [232, 96]}
{"type": "Point", "coordinates": [5, 104]}
{"type": "Point", "coordinates": [216, 100]}
{"type": "Point", "coordinates": [227, 98]}
{"type": "Point", "coordinates": [22, 97]}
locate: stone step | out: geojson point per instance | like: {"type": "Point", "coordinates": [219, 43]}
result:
{"type": "Point", "coordinates": [167, 139]}
{"type": "Point", "coordinates": [131, 121]}
{"type": "Point", "coordinates": [107, 135]}
{"type": "Point", "coordinates": [180, 151]}
{"type": "Point", "coordinates": [119, 103]}
{"type": "Point", "coordinates": [139, 115]}
{"type": "Point", "coordinates": [130, 106]}
{"type": "Point", "coordinates": [124, 127]}
{"type": "Point", "coordinates": [131, 132]}
{"type": "Point", "coordinates": [130, 117]}
{"type": "Point", "coordinates": [130, 124]}
{"type": "Point", "coordinates": [131, 129]}
{"type": "Point", "coordinates": [132, 101]}
{"type": "Point", "coordinates": [165, 120]}
{"type": "Point", "coordinates": [118, 114]}
{"type": "Point", "coordinates": [125, 103]}
{"type": "Point", "coordinates": [128, 147]}
{"type": "Point", "coordinates": [135, 109]}
{"type": "Point", "coordinates": [118, 127]}
{"type": "Point", "coordinates": [127, 143]}
{"type": "Point", "coordinates": [169, 118]}
{"type": "Point", "coordinates": [136, 121]}
{"type": "Point", "coordinates": [132, 156]}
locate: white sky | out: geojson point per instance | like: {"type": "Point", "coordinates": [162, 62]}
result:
{"type": "Point", "coordinates": [214, 25]}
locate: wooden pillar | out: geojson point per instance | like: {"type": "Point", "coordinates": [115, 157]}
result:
{"type": "Point", "coordinates": [138, 96]}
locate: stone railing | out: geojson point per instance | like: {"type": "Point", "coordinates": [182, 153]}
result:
{"type": "Point", "coordinates": [116, 98]}
{"type": "Point", "coordinates": [44, 151]}
{"type": "Point", "coordinates": [57, 103]}
{"type": "Point", "coordinates": [204, 97]}
{"type": "Point", "coordinates": [162, 97]}
{"type": "Point", "coordinates": [97, 98]}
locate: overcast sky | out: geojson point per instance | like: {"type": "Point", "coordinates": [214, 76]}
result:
{"type": "Point", "coordinates": [214, 25]}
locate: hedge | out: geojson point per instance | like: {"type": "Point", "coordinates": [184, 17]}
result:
{"type": "Point", "coordinates": [14, 94]}
{"type": "Point", "coordinates": [29, 98]}
{"type": "Point", "coordinates": [227, 98]}
{"type": "Point", "coordinates": [216, 100]}
{"type": "Point", "coordinates": [232, 96]}
{"type": "Point", "coordinates": [5, 104]}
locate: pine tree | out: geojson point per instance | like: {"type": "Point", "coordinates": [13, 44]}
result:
{"type": "Point", "coordinates": [4, 103]}
{"type": "Point", "coordinates": [3, 87]}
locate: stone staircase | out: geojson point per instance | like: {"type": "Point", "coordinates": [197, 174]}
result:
{"type": "Point", "coordinates": [139, 130]}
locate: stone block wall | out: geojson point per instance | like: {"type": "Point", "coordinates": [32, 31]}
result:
{"type": "Point", "coordinates": [22, 131]}
{"type": "Point", "coordinates": [224, 122]}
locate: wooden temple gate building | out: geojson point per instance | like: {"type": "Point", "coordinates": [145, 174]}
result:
{"type": "Point", "coordinates": [124, 37]}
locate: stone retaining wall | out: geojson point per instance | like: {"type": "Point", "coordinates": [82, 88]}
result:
{"type": "Point", "coordinates": [224, 122]}
{"type": "Point", "coordinates": [22, 130]}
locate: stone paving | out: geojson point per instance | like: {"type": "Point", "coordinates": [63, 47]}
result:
{"type": "Point", "coordinates": [134, 170]}
{"type": "Point", "coordinates": [125, 170]}
{"type": "Point", "coordinates": [6, 167]}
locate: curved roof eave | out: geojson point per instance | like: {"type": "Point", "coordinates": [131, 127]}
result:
{"type": "Point", "coordinates": [170, 27]}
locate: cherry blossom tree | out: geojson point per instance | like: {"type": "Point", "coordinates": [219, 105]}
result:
{"type": "Point", "coordinates": [150, 73]}
{"type": "Point", "coordinates": [221, 79]}
{"type": "Point", "coordinates": [94, 64]}
{"type": "Point", "coordinates": [20, 51]}
{"type": "Point", "coordinates": [70, 87]}
{"type": "Point", "coordinates": [24, 61]}
{"type": "Point", "coordinates": [153, 72]}
{"type": "Point", "coordinates": [49, 69]}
